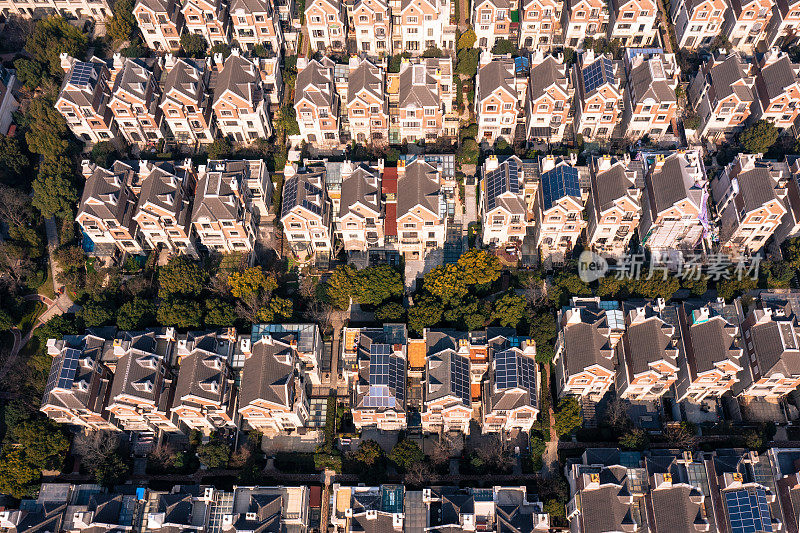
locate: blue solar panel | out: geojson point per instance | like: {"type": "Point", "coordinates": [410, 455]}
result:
{"type": "Point", "coordinates": [289, 195]}
{"type": "Point", "coordinates": [560, 182]}
{"type": "Point", "coordinates": [598, 73]}
{"type": "Point", "coordinates": [81, 73]}
{"type": "Point", "coordinates": [387, 378]}
{"type": "Point", "coordinates": [459, 378]}
{"type": "Point", "coordinates": [62, 373]}
{"type": "Point", "coordinates": [501, 180]}
{"type": "Point", "coordinates": [748, 511]}
{"type": "Point", "coordinates": [515, 371]}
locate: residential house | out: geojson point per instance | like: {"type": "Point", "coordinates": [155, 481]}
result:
{"type": "Point", "coordinates": [602, 499]}
{"type": "Point", "coordinates": [496, 102]}
{"type": "Point", "coordinates": [778, 88]}
{"type": "Point", "coordinates": [748, 205]}
{"type": "Point", "coordinates": [78, 385]}
{"type": "Point", "coordinates": [784, 24]}
{"type": "Point", "coordinates": [722, 95]}
{"type": "Point", "coordinates": [698, 22]}
{"type": "Point", "coordinates": [107, 208]}
{"type": "Point", "coordinates": [143, 386]}
{"type": "Point", "coordinates": [164, 209]}
{"type": "Point", "coordinates": [446, 390]}
{"type": "Point", "coordinates": [205, 396]}
{"type": "Point", "coordinates": [459, 509]}
{"type": "Point", "coordinates": [540, 24]}
{"type": "Point", "coordinates": [161, 23]}
{"type": "Point", "coordinates": [426, 96]}
{"type": "Point", "coordinates": [676, 500]}
{"type": "Point", "coordinates": [254, 22]}
{"type": "Point", "coordinates": [306, 212]}
{"type": "Point", "coordinates": [598, 98]}
{"type": "Point", "coordinates": [746, 23]}
{"type": "Point", "coordinates": [327, 25]}
{"type": "Point", "coordinates": [84, 97]}
{"type": "Point", "coordinates": [264, 509]}
{"type": "Point", "coordinates": [511, 392]}
{"type": "Point", "coordinates": [504, 213]}
{"type": "Point", "coordinates": [584, 354]}
{"type": "Point", "coordinates": [648, 352]}
{"type": "Point", "coordinates": [363, 508]}
{"type": "Point", "coordinates": [316, 103]}
{"type": "Point", "coordinates": [305, 338]}
{"type": "Point", "coordinates": [633, 22]}
{"type": "Point", "coordinates": [102, 512]}
{"type": "Point", "coordinates": [710, 358]}
{"type": "Point", "coordinates": [8, 102]}
{"type": "Point", "coordinates": [371, 20]}
{"type": "Point", "coordinates": [770, 335]}
{"type": "Point", "coordinates": [787, 484]}
{"type": "Point", "coordinates": [583, 18]}
{"type": "Point", "coordinates": [515, 512]}
{"type": "Point", "coordinates": [361, 216]}
{"type": "Point", "coordinates": [614, 205]}
{"type": "Point", "coordinates": [208, 18]}
{"type": "Point", "coordinates": [33, 515]}
{"type": "Point", "coordinates": [185, 100]}
{"type": "Point", "coordinates": [134, 101]}
{"type": "Point", "coordinates": [559, 209]}
{"type": "Point", "coordinates": [239, 101]}
{"type": "Point", "coordinates": [491, 20]}
{"type": "Point", "coordinates": [272, 81]}
{"type": "Point", "coordinates": [379, 394]}
{"type": "Point", "coordinates": [421, 218]}
{"type": "Point", "coordinates": [549, 99]}
{"type": "Point", "coordinates": [367, 105]}
{"type": "Point", "coordinates": [185, 509]}
{"type": "Point", "coordinates": [673, 215]}
{"type": "Point", "coordinates": [419, 26]}
{"type": "Point", "coordinates": [272, 399]}
{"type": "Point", "coordinates": [97, 10]}
{"type": "Point", "coordinates": [650, 101]}
{"type": "Point", "coordinates": [221, 215]}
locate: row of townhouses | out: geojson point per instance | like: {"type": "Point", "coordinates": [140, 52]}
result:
{"type": "Point", "coordinates": [143, 101]}
{"type": "Point", "coordinates": [159, 381]}
{"type": "Point", "coordinates": [139, 206]}
{"type": "Point", "coordinates": [660, 491]}
{"type": "Point", "coordinates": [65, 508]}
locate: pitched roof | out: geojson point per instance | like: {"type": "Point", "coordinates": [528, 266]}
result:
{"type": "Point", "coordinates": [239, 76]}
{"type": "Point", "coordinates": [418, 185]}
{"type": "Point", "coordinates": [503, 186]}
{"type": "Point", "coordinates": [776, 77]}
{"type": "Point", "coordinates": [497, 74]}
{"type": "Point", "coordinates": [545, 74]}
{"type": "Point", "coordinates": [185, 78]}
{"type": "Point", "coordinates": [557, 183]}
{"type": "Point", "coordinates": [586, 342]}
{"type": "Point", "coordinates": [164, 189]}
{"type": "Point", "coordinates": [712, 341]}
{"type": "Point", "coordinates": [81, 81]}
{"type": "Point", "coordinates": [250, 6]}
{"type": "Point", "coordinates": [603, 510]}
{"type": "Point", "coordinates": [360, 187]}
{"type": "Point", "coordinates": [134, 78]}
{"type": "Point", "coordinates": [672, 183]}
{"type": "Point", "coordinates": [107, 194]}
{"type": "Point", "coordinates": [610, 185]}
{"type": "Point", "coordinates": [216, 197]}
{"type": "Point", "coordinates": [268, 373]}
{"type": "Point", "coordinates": [366, 77]}
{"type": "Point", "coordinates": [448, 375]}
{"type": "Point", "coordinates": [775, 341]}
{"type": "Point", "coordinates": [648, 80]}
{"type": "Point", "coordinates": [677, 508]}
{"type": "Point", "coordinates": [306, 190]}
{"type": "Point", "coordinates": [646, 341]}
{"type": "Point", "coordinates": [756, 188]}
{"type": "Point", "coordinates": [315, 83]}
{"type": "Point", "coordinates": [202, 374]}
{"type": "Point", "coordinates": [418, 87]}
{"type": "Point", "coordinates": [724, 78]}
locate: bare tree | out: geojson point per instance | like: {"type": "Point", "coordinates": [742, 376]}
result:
{"type": "Point", "coordinates": [95, 446]}
{"type": "Point", "coordinates": [496, 452]}
{"type": "Point", "coordinates": [681, 436]}
{"type": "Point", "coordinates": [15, 208]}
{"type": "Point", "coordinates": [418, 474]}
{"type": "Point", "coordinates": [535, 290]}
{"type": "Point", "coordinates": [617, 413]}
{"type": "Point", "coordinates": [442, 451]}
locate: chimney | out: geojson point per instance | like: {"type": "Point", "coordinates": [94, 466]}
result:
{"type": "Point", "coordinates": [662, 481]}
{"type": "Point", "coordinates": [588, 57]}
{"type": "Point", "coordinates": [491, 163]}
{"type": "Point", "coordinates": [604, 163]}
{"type": "Point", "coordinates": [486, 58]}
{"type": "Point", "coordinates": [289, 170]}
{"type": "Point", "coordinates": [169, 61]}
{"type": "Point", "coordinates": [218, 59]}
{"type": "Point", "coordinates": [66, 61]}
{"type": "Point", "coordinates": [548, 163]}
{"type": "Point", "coordinates": [353, 63]}
{"type": "Point", "coordinates": [302, 63]}
{"type": "Point", "coordinates": [118, 61]}
{"type": "Point", "coordinates": [235, 52]}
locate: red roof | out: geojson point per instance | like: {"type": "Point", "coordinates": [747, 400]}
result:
{"type": "Point", "coordinates": [389, 183]}
{"type": "Point", "coordinates": [315, 496]}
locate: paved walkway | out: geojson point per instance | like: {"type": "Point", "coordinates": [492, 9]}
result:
{"type": "Point", "coordinates": [550, 457]}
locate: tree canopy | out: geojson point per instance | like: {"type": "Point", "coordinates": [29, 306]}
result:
{"type": "Point", "coordinates": [568, 416]}
{"type": "Point", "coordinates": [193, 44]}
{"type": "Point", "coordinates": [467, 39]}
{"type": "Point", "coordinates": [53, 36]}
{"type": "Point", "coordinates": [122, 25]}
{"type": "Point", "coordinates": [509, 310]}
{"type": "Point", "coordinates": [406, 454]}
{"type": "Point", "coordinates": [181, 276]}
{"type": "Point", "coordinates": [758, 136]}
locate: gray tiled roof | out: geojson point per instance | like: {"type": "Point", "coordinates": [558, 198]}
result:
{"type": "Point", "coordinates": [239, 76]}
{"type": "Point", "coordinates": [676, 508]}
{"type": "Point", "coordinates": [756, 188]}
{"type": "Point", "coordinates": [419, 185]}
{"type": "Point", "coordinates": [497, 74]}
{"type": "Point", "coordinates": [315, 82]}
{"type": "Point", "coordinates": [646, 342]}
{"type": "Point", "coordinates": [186, 79]}
{"type": "Point", "coordinates": [610, 185]}
{"type": "Point", "coordinates": [672, 184]}
{"type": "Point", "coordinates": [358, 188]}
{"type": "Point", "coordinates": [645, 83]}
{"type": "Point", "coordinates": [586, 342]}
{"type": "Point", "coordinates": [776, 77]}
{"type": "Point", "coordinates": [544, 75]}
{"type": "Point", "coordinates": [367, 77]}
{"type": "Point", "coordinates": [268, 373]}
{"type": "Point", "coordinates": [418, 86]}
{"type": "Point", "coordinates": [215, 197]}
{"type": "Point", "coordinates": [197, 374]}
{"type": "Point", "coordinates": [712, 341]}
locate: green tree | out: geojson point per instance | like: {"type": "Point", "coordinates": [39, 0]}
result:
{"type": "Point", "coordinates": [340, 286]}
{"type": "Point", "coordinates": [504, 46]}
{"type": "Point", "coordinates": [375, 285]}
{"type": "Point", "coordinates": [30, 73]}
{"type": "Point", "coordinates": [53, 36]}
{"type": "Point", "coordinates": [286, 121]}
{"type": "Point", "coordinates": [17, 477]}
{"type": "Point", "coordinates": [111, 470]}
{"type": "Point", "coordinates": [731, 288]}
{"type": "Point", "coordinates": [509, 310]}
{"type": "Point", "coordinates": [122, 25]}
{"type": "Point", "coordinates": [791, 252]}
{"type": "Point", "coordinates": [44, 443]}
{"type": "Point", "coordinates": [390, 312]}
{"type": "Point", "coordinates": [469, 132]}
{"type": "Point", "coordinates": [219, 313]}
{"type": "Point", "coordinates": [6, 321]}
{"type": "Point", "coordinates": [479, 267]}
{"type": "Point", "coordinates": [251, 281]}
{"type": "Point", "coordinates": [193, 44]}
{"type": "Point", "coordinates": [544, 332]}
{"type": "Point", "coordinates": [447, 283]}
{"type": "Point", "coordinates": [568, 416]}
{"type": "Point", "coordinates": [432, 52]}
{"type": "Point", "coordinates": [369, 453]}
{"type": "Point", "coordinates": [635, 439]}
{"type": "Point", "coordinates": [14, 161]}
{"type": "Point", "coordinates": [468, 152]}
{"type": "Point", "coordinates": [758, 136]}
{"type": "Point", "coordinates": [221, 48]}
{"type": "Point", "coordinates": [565, 285]}
{"type": "Point", "coordinates": [47, 133]}
{"type": "Point", "coordinates": [214, 454]}
{"type": "Point", "coordinates": [181, 276]}
{"type": "Point", "coordinates": [467, 61]}
{"type": "Point", "coordinates": [423, 314]}
{"type": "Point", "coordinates": [261, 51]}
{"type": "Point", "coordinates": [406, 454]}
{"type": "Point", "coordinates": [53, 195]}
{"type": "Point", "coordinates": [104, 154]}
{"type": "Point", "coordinates": [96, 312]}
{"type": "Point", "coordinates": [275, 309]}
{"type": "Point", "coordinates": [467, 39]}
{"type": "Point", "coordinates": [220, 149]}
{"type": "Point", "coordinates": [136, 314]}
{"type": "Point", "coordinates": [180, 313]}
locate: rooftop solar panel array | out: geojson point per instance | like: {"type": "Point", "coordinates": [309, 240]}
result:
{"type": "Point", "coordinates": [559, 182]}
{"type": "Point", "coordinates": [515, 371]}
{"type": "Point", "coordinates": [459, 378]}
{"type": "Point", "coordinates": [81, 74]}
{"type": "Point", "coordinates": [62, 373]}
{"type": "Point", "coordinates": [503, 179]}
{"type": "Point", "coordinates": [748, 511]}
{"type": "Point", "coordinates": [387, 378]}
{"type": "Point", "coordinates": [312, 191]}
{"type": "Point", "coordinates": [597, 74]}
{"type": "Point", "coordinates": [289, 195]}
